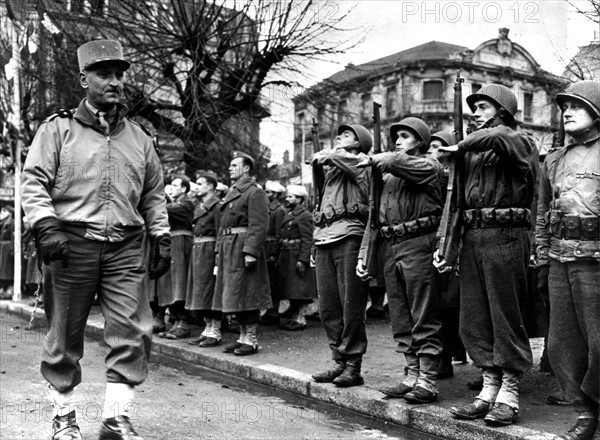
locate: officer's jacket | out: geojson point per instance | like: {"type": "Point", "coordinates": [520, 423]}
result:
{"type": "Point", "coordinates": [105, 185]}
{"type": "Point", "coordinates": [206, 218]}
{"type": "Point", "coordinates": [344, 206]}
{"type": "Point", "coordinates": [569, 203]}
{"type": "Point", "coordinates": [246, 205]}
{"type": "Point", "coordinates": [501, 167]}
{"type": "Point", "coordinates": [181, 213]}
{"type": "Point", "coordinates": [411, 187]}
{"type": "Point", "coordinates": [297, 231]}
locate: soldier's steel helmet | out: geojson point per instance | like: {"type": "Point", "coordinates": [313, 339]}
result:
{"type": "Point", "coordinates": [499, 95]}
{"type": "Point", "coordinates": [101, 51]}
{"type": "Point", "coordinates": [364, 136]}
{"type": "Point", "coordinates": [446, 137]}
{"type": "Point", "coordinates": [587, 92]}
{"type": "Point", "coordinates": [416, 126]}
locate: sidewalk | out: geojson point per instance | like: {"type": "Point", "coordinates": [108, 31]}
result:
{"type": "Point", "coordinates": [286, 360]}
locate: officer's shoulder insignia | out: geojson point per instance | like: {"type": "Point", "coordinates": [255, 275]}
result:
{"type": "Point", "coordinates": [142, 126]}
{"type": "Point", "coordinates": [62, 113]}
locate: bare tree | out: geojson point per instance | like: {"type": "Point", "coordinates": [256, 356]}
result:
{"type": "Point", "coordinates": [200, 67]}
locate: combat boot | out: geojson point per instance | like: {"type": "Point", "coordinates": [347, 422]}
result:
{"type": "Point", "coordinates": [351, 375]}
{"type": "Point", "coordinates": [583, 430]}
{"type": "Point", "coordinates": [66, 427]}
{"type": "Point", "coordinates": [118, 428]}
{"type": "Point", "coordinates": [332, 373]}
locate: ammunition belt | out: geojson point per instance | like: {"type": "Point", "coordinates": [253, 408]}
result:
{"type": "Point", "coordinates": [497, 218]}
{"type": "Point", "coordinates": [573, 227]}
{"type": "Point", "coordinates": [414, 228]}
{"type": "Point", "coordinates": [235, 230]}
{"type": "Point", "coordinates": [321, 219]}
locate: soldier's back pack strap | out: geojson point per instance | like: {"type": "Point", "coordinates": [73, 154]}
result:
{"type": "Point", "coordinates": [62, 113]}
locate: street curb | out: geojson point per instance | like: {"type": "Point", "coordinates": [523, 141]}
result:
{"type": "Point", "coordinates": [430, 419]}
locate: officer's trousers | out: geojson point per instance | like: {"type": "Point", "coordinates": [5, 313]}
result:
{"type": "Point", "coordinates": [493, 285]}
{"type": "Point", "coordinates": [114, 271]}
{"type": "Point", "coordinates": [342, 297]}
{"type": "Point", "coordinates": [573, 346]}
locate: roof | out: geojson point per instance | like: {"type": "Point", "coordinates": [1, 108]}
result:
{"type": "Point", "coordinates": [434, 50]}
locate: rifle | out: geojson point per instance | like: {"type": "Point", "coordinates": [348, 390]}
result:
{"type": "Point", "coordinates": [449, 232]}
{"type": "Point", "coordinates": [317, 171]}
{"type": "Point", "coordinates": [375, 197]}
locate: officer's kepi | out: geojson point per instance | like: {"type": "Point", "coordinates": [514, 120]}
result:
{"type": "Point", "coordinates": [95, 52]}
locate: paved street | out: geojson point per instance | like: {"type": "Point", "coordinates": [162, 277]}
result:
{"type": "Point", "coordinates": [171, 404]}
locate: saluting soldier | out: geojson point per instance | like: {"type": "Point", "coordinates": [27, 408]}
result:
{"type": "Point", "coordinates": [296, 277]}
{"type": "Point", "coordinates": [274, 191]}
{"type": "Point", "coordinates": [201, 277]}
{"type": "Point", "coordinates": [339, 226]}
{"type": "Point", "coordinates": [242, 279]}
{"type": "Point", "coordinates": [568, 251]}
{"type": "Point", "coordinates": [409, 214]}
{"type": "Point", "coordinates": [172, 288]}
{"type": "Point", "coordinates": [498, 188]}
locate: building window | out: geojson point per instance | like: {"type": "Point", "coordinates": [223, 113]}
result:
{"type": "Point", "coordinates": [475, 87]}
{"type": "Point", "coordinates": [342, 113]}
{"type": "Point", "coordinates": [527, 106]}
{"type": "Point", "coordinates": [365, 106]}
{"type": "Point", "coordinates": [432, 91]}
{"type": "Point", "coordinates": [391, 102]}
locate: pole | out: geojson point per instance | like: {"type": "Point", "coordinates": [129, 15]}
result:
{"type": "Point", "coordinates": [16, 114]}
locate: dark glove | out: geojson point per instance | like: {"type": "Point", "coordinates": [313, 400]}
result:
{"type": "Point", "coordinates": [543, 277]}
{"type": "Point", "coordinates": [160, 256]}
{"type": "Point", "coordinates": [52, 243]}
{"type": "Point", "coordinates": [300, 268]}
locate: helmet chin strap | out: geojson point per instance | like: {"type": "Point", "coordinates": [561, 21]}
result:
{"type": "Point", "coordinates": [355, 145]}
{"type": "Point", "coordinates": [495, 120]}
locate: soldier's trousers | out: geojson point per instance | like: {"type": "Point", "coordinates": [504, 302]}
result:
{"type": "Point", "coordinates": [493, 284]}
{"type": "Point", "coordinates": [114, 271]}
{"type": "Point", "coordinates": [573, 343]}
{"type": "Point", "coordinates": [412, 295]}
{"type": "Point", "coordinates": [342, 297]}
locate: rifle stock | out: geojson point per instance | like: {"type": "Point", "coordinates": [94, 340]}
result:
{"type": "Point", "coordinates": [375, 196]}
{"type": "Point", "coordinates": [451, 222]}
{"type": "Point", "coordinates": [317, 171]}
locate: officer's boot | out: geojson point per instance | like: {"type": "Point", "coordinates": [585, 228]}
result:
{"type": "Point", "coordinates": [330, 374]}
{"type": "Point", "coordinates": [351, 375]}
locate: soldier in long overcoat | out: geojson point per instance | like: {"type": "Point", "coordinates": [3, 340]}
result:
{"type": "Point", "coordinates": [296, 277]}
{"type": "Point", "coordinates": [242, 280]}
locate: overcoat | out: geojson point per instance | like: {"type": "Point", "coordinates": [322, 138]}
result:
{"type": "Point", "coordinates": [296, 243]}
{"type": "Point", "coordinates": [242, 231]}
{"type": "Point", "coordinates": [201, 278]}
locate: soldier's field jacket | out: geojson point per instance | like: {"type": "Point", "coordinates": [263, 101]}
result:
{"type": "Point", "coordinates": [344, 206]}
{"type": "Point", "coordinates": [568, 214]}
{"type": "Point", "coordinates": [102, 185]}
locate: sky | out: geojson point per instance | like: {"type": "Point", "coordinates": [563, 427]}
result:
{"type": "Point", "coordinates": [551, 30]}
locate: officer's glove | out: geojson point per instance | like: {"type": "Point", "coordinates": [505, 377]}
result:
{"type": "Point", "coordinates": [160, 256]}
{"type": "Point", "coordinates": [543, 273]}
{"type": "Point", "coordinates": [249, 261]}
{"type": "Point", "coordinates": [301, 268]}
{"type": "Point", "coordinates": [52, 243]}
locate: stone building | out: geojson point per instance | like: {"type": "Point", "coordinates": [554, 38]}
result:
{"type": "Point", "coordinates": [419, 82]}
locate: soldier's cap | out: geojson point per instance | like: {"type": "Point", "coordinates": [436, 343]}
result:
{"type": "Point", "coordinates": [297, 190]}
{"type": "Point", "coordinates": [211, 176]}
{"type": "Point", "coordinates": [276, 187]}
{"type": "Point", "coordinates": [95, 52]}
{"type": "Point", "coordinates": [222, 187]}
{"type": "Point", "coordinates": [236, 154]}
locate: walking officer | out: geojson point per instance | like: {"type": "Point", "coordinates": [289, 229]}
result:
{"type": "Point", "coordinates": [242, 286]}
{"type": "Point", "coordinates": [340, 222]}
{"type": "Point", "coordinates": [568, 251]}
{"type": "Point", "coordinates": [89, 229]}
{"type": "Point", "coordinates": [497, 191]}
{"type": "Point", "coordinates": [410, 206]}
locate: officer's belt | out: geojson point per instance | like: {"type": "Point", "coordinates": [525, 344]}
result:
{"type": "Point", "coordinates": [573, 227]}
{"type": "Point", "coordinates": [288, 243]}
{"type": "Point", "coordinates": [412, 229]}
{"type": "Point", "coordinates": [182, 232]}
{"type": "Point", "coordinates": [204, 239]}
{"type": "Point", "coordinates": [235, 230]}
{"type": "Point", "coordinates": [497, 218]}
{"type": "Point", "coordinates": [321, 219]}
